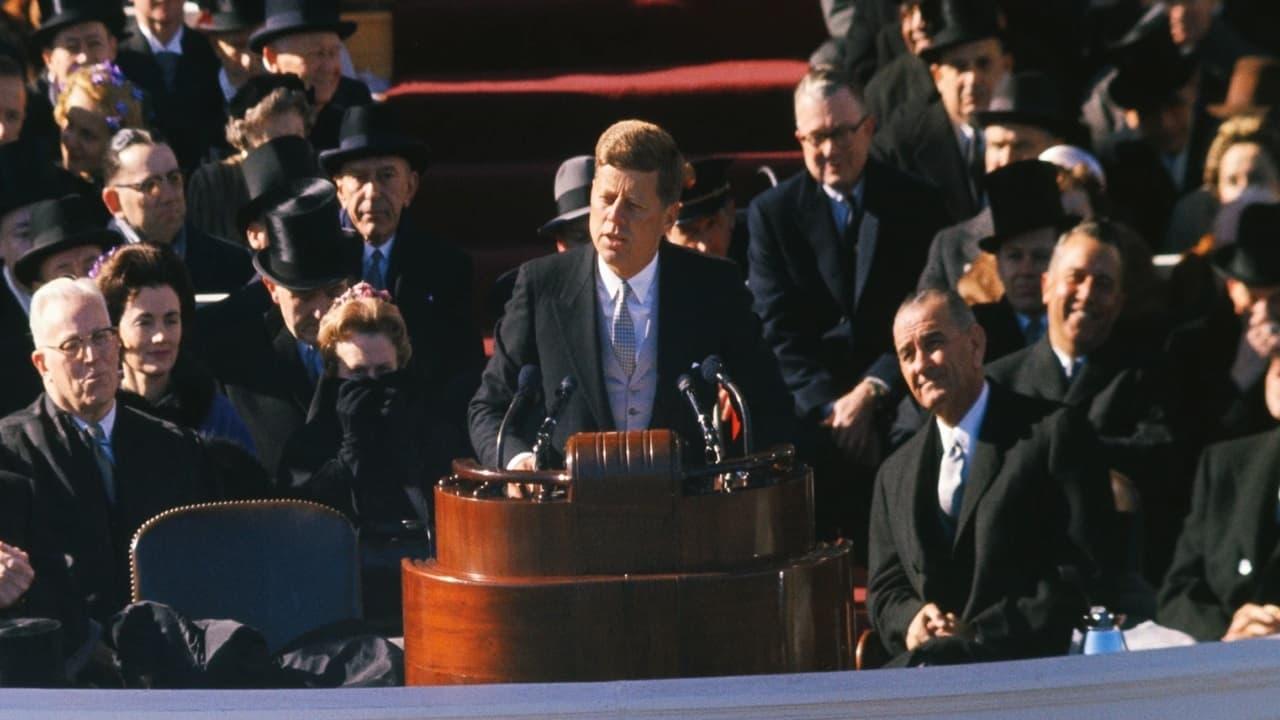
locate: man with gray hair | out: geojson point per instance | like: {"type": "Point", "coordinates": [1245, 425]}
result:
{"type": "Point", "coordinates": [982, 524]}
{"type": "Point", "coordinates": [832, 251]}
{"type": "Point", "coordinates": [96, 469]}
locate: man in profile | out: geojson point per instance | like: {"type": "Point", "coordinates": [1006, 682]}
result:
{"type": "Point", "coordinates": [626, 316]}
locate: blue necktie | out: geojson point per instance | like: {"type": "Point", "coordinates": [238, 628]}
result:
{"type": "Point", "coordinates": [105, 459]}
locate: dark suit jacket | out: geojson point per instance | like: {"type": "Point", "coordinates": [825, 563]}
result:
{"type": "Point", "coordinates": [215, 264]}
{"type": "Point", "coordinates": [21, 381]}
{"type": "Point", "coordinates": [953, 251]}
{"type": "Point", "coordinates": [1004, 334]}
{"type": "Point", "coordinates": [804, 292]}
{"type": "Point", "coordinates": [902, 79]}
{"type": "Point", "coordinates": [1227, 554]}
{"type": "Point", "coordinates": [158, 466]}
{"type": "Point", "coordinates": [1026, 526]}
{"type": "Point", "coordinates": [192, 115]}
{"type": "Point", "coordinates": [552, 322]}
{"type": "Point", "coordinates": [918, 138]}
{"type": "Point", "coordinates": [350, 93]}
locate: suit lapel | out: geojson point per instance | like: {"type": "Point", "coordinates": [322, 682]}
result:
{"type": "Point", "coordinates": [1259, 528]}
{"type": "Point", "coordinates": [917, 499]}
{"type": "Point", "coordinates": [576, 316]}
{"type": "Point", "coordinates": [819, 228]}
{"type": "Point", "coordinates": [1046, 372]}
{"type": "Point", "coordinates": [940, 151]}
{"type": "Point", "coordinates": [295, 381]}
{"type": "Point", "coordinates": [988, 455]}
{"type": "Point", "coordinates": [676, 334]}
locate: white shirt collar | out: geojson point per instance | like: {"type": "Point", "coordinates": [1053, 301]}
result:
{"type": "Point", "coordinates": [965, 136]}
{"type": "Point", "coordinates": [22, 296]}
{"type": "Point", "coordinates": [969, 424]}
{"type": "Point", "coordinates": [641, 283]}
{"type": "Point", "coordinates": [174, 46]}
{"type": "Point", "coordinates": [108, 421]}
{"type": "Point", "coordinates": [384, 248]}
{"type": "Point", "coordinates": [839, 197]}
{"type": "Point", "coordinates": [1067, 362]}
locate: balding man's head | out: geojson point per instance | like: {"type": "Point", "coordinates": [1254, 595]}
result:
{"type": "Point", "coordinates": [77, 349]}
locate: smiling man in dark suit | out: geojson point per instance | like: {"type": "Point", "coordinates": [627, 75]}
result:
{"type": "Point", "coordinates": [626, 316]}
{"type": "Point", "coordinates": [984, 522]}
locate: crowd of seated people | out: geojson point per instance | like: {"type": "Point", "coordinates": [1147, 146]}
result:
{"type": "Point", "coordinates": [1019, 308]}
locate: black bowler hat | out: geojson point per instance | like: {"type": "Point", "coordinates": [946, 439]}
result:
{"type": "Point", "coordinates": [258, 87]}
{"type": "Point", "coordinates": [289, 17]}
{"type": "Point", "coordinates": [62, 224]}
{"type": "Point", "coordinates": [963, 21]}
{"type": "Point", "coordinates": [372, 131]}
{"type": "Point", "coordinates": [1024, 196]}
{"type": "Point", "coordinates": [31, 653]}
{"type": "Point", "coordinates": [232, 16]}
{"type": "Point", "coordinates": [273, 172]}
{"type": "Point", "coordinates": [572, 190]}
{"type": "Point", "coordinates": [309, 248]}
{"type": "Point", "coordinates": [56, 15]}
{"type": "Point", "coordinates": [1027, 98]}
{"type": "Point", "coordinates": [1150, 68]}
{"type": "Point", "coordinates": [709, 191]}
{"type": "Point", "coordinates": [1254, 258]}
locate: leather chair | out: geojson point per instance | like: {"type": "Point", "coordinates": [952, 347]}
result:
{"type": "Point", "coordinates": [281, 566]}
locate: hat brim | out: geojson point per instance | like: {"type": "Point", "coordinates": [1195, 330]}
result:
{"type": "Point", "coordinates": [1048, 123]}
{"type": "Point", "coordinates": [992, 243]}
{"type": "Point", "coordinates": [42, 37]}
{"type": "Point", "coordinates": [260, 39]}
{"type": "Point", "coordinates": [1131, 92]}
{"type": "Point", "coordinates": [944, 42]}
{"type": "Point", "coordinates": [227, 23]}
{"type": "Point", "coordinates": [1229, 261]}
{"type": "Point", "coordinates": [556, 222]}
{"type": "Point", "coordinates": [27, 267]}
{"type": "Point", "coordinates": [292, 278]}
{"type": "Point", "coordinates": [414, 151]}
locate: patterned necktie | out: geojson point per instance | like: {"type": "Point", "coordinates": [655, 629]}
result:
{"type": "Point", "coordinates": [373, 271]}
{"type": "Point", "coordinates": [102, 455]}
{"type": "Point", "coordinates": [622, 332]}
{"type": "Point", "coordinates": [951, 479]}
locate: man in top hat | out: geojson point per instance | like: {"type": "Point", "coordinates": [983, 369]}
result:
{"type": "Point", "coordinates": [1023, 120]}
{"type": "Point", "coordinates": [833, 250]}
{"type": "Point", "coordinates": [143, 190]}
{"type": "Point", "coordinates": [708, 220]}
{"type": "Point", "coordinates": [1197, 27]}
{"type": "Point", "coordinates": [187, 102]}
{"type": "Point", "coordinates": [271, 371]}
{"type": "Point", "coordinates": [936, 137]}
{"type": "Point", "coordinates": [305, 38]}
{"type": "Point", "coordinates": [228, 27]}
{"type": "Point", "coordinates": [615, 316]}
{"type": "Point", "coordinates": [377, 168]}
{"type": "Point", "coordinates": [904, 77]}
{"type": "Point", "coordinates": [96, 469]}
{"type": "Point", "coordinates": [1027, 216]}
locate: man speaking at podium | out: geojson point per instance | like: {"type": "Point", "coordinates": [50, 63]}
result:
{"type": "Point", "coordinates": [625, 317]}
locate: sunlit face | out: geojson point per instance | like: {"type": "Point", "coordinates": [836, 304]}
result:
{"type": "Point", "coordinates": [374, 192]}
{"type": "Point", "coordinates": [1189, 20]}
{"type": "Point", "coordinates": [1273, 387]}
{"type": "Point", "coordinates": [1083, 293]}
{"type": "Point", "coordinates": [233, 52]}
{"type": "Point", "coordinates": [1168, 126]}
{"type": "Point", "coordinates": [835, 137]}
{"type": "Point", "coordinates": [628, 219]}
{"type": "Point", "coordinates": [941, 363]}
{"type": "Point", "coordinates": [1244, 165]}
{"type": "Point", "coordinates": [15, 235]}
{"type": "Point", "coordinates": [78, 355]}
{"type": "Point", "coordinates": [1006, 144]}
{"type": "Point", "coordinates": [151, 330]}
{"type": "Point", "coordinates": [86, 43]}
{"type": "Point", "coordinates": [84, 136]}
{"type": "Point", "coordinates": [967, 75]}
{"type": "Point", "coordinates": [74, 262]}
{"type": "Point", "coordinates": [917, 31]}
{"type": "Point", "coordinates": [158, 211]}
{"type": "Point", "coordinates": [302, 309]}
{"type": "Point", "coordinates": [1244, 297]}
{"type": "Point", "coordinates": [1020, 262]}
{"type": "Point", "coordinates": [13, 108]}
{"type": "Point", "coordinates": [316, 57]}
{"type": "Point", "coordinates": [365, 355]}
{"type": "Point", "coordinates": [709, 234]}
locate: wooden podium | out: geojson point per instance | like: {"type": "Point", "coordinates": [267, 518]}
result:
{"type": "Point", "coordinates": [627, 566]}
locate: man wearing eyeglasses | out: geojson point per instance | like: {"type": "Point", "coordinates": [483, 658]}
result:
{"type": "Point", "coordinates": [96, 470]}
{"type": "Point", "coordinates": [833, 250]}
{"type": "Point", "coordinates": [144, 193]}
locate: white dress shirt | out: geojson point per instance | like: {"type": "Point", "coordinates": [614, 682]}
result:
{"type": "Point", "coordinates": [963, 434]}
{"type": "Point", "coordinates": [108, 423]}
{"type": "Point", "coordinates": [630, 398]}
{"type": "Point", "coordinates": [1070, 365]}
{"type": "Point", "coordinates": [174, 45]}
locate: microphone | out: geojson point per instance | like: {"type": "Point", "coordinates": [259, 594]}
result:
{"type": "Point", "coordinates": [710, 439]}
{"type": "Point", "coordinates": [542, 445]}
{"type": "Point", "coordinates": [527, 383]}
{"type": "Point", "coordinates": [713, 372]}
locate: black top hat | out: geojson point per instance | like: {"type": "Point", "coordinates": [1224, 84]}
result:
{"type": "Point", "coordinates": [1027, 98]}
{"type": "Point", "coordinates": [62, 224]}
{"type": "Point", "coordinates": [1254, 258]}
{"type": "Point", "coordinates": [56, 15]}
{"type": "Point", "coordinates": [232, 16]}
{"type": "Point", "coordinates": [258, 87]}
{"type": "Point", "coordinates": [288, 17]}
{"type": "Point", "coordinates": [309, 249]}
{"type": "Point", "coordinates": [370, 131]}
{"type": "Point", "coordinates": [963, 21]}
{"type": "Point", "coordinates": [1024, 196]}
{"type": "Point", "coordinates": [272, 172]}
{"type": "Point", "coordinates": [27, 176]}
{"type": "Point", "coordinates": [31, 653]}
{"type": "Point", "coordinates": [573, 191]}
{"type": "Point", "coordinates": [1149, 68]}
{"type": "Point", "coordinates": [709, 192]}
